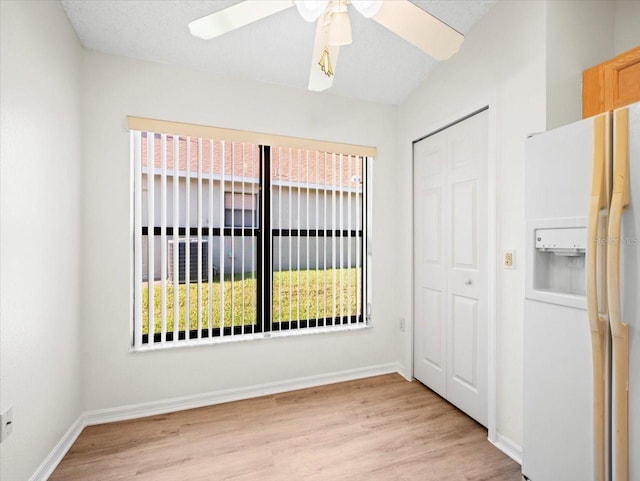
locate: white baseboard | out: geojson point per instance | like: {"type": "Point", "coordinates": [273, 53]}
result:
{"type": "Point", "coordinates": [57, 453]}
{"type": "Point", "coordinates": [508, 447]}
{"type": "Point", "coordinates": [402, 370]}
{"type": "Point", "coordinates": [133, 411]}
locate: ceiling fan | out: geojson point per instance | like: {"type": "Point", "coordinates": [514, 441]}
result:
{"type": "Point", "coordinates": [333, 30]}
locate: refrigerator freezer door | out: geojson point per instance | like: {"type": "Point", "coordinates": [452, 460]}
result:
{"type": "Point", "coordinates": [558, 429]}
{"type": "Point", "coordinates": [557, 405]}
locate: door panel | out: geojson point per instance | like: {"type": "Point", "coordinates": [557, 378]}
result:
{"type": "Point", "coordinates": [432, 201]}
{"type": "Point", "coordinates": [430, 305]}
{"type": "Point", "coordinates": [462, 152]}
{"type": "Point", "coordinates": [450, 268]}
{"type": "Point", "coordinates": [432, 347]}
{"type": "Point", "coordinates": [467, 275]}
{"type": "Point", "coordinates": [465, 228]}
{"type": "Point", "coordinates": [464, 369]}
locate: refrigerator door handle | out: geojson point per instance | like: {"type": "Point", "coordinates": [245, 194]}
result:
{"type": "Point", "coordinates": [597, 202]}
{"type": "Point", "coordinates": [619, 329]}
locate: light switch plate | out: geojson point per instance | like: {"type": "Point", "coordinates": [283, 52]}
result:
{"type": "Point", "coordinates": [509, 260]}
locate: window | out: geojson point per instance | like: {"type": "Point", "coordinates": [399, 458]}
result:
{"type": "Point", "coordinates": [237, 239]}
{"type": "Point", "coordinates": [240, 210]}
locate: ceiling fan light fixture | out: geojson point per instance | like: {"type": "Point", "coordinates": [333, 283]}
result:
{"type": "Point", "coordinates": [339, 30]}
{"type": "Point", "coordinates": [367, 8]}
{"type": "Point", "coordinates": [310, 10]}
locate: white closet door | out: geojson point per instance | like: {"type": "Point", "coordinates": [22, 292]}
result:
{"type": "Point", "coordinates": [430, 267]}
{"type": "Point", "coordinates": [450, 264]}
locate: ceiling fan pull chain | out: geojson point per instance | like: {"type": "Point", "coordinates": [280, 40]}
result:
{"type": "Point", "coordinates": [325, 63]}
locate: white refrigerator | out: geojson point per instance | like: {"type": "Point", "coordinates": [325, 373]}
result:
{"type": "Point", "coordinates": [582, 308]}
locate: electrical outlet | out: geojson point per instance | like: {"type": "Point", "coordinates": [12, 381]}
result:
{"type": "Point", "coordinates": [509, 259]}
{"type": "Point", "coordinates": [401, 324]}
{"type": "Point", "coordinates": [6, 424]}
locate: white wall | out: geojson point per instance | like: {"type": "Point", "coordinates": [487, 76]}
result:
{"type": "Point", "coordinates": [579, 35]}
{"type": "Point", "coordinates": [39, 247]}
{"type": "Point", "coordinates": [501, 63]}
{"type": "Point", "coordinates": [627, 19]}
{"type": "Point", "coordinates": [114, 87]}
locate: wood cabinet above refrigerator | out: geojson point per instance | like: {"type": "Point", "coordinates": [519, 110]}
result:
{"type": "Point", "coordinates": [611, 84]}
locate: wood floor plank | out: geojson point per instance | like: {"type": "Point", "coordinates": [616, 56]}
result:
{"type": "Point", "coordinates": [381, 428]}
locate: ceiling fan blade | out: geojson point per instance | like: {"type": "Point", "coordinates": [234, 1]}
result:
{"type": "Point", "coordinates": [318, 80]}
{"type": "Point", "coordinates": [236, 16]}
{"type": "Point", "coordinates": [419, 28]}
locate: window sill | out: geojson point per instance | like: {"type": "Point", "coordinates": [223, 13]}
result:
{"type": "Point", "coordinates": [162, 346]}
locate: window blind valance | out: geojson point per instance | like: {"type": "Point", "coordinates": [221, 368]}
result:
{"type": "Point", "coordinates": [208, 132]}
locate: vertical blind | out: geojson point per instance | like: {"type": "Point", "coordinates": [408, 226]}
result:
{"type": "Point", "coordinates": [236, 239]}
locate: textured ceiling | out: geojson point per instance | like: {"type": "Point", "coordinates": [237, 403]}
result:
{"type": "Point", "coordinates": [379, 66]}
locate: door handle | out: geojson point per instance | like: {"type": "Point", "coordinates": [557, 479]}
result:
{"type": "Point", "coordinates": [619, 329]}
{"type": "Point", "coordinates": [597, 202]}
{"type": "Point", "coordinates": [468, 282]}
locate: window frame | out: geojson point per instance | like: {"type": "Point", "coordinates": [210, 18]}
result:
{"type": "Point", "coordinates": [265, 234]}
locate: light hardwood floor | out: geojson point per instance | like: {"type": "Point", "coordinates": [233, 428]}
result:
{"type": "Point", "coordinates": [380, 428]}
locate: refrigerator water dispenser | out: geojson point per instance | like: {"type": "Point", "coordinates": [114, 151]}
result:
{"type": "Point", "coordinates": [559, 260]}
